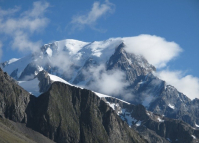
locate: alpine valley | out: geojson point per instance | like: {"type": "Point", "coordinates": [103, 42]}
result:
{"type": "Point", "coordinates": [71, 91]}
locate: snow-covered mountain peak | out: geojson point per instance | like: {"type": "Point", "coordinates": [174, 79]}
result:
{"type": "Point", "coordinates": [100, 50]}
{"type": "Point", "coordinates": [103, 66]}
{"type": "Point", "coordinates": [78, 52]}
{"type": "Point", "coordinates": [68, 45]}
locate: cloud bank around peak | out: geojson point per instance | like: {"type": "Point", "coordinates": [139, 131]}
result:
{"type": "Point", "coordinates": [188, 85]}
{"type": "Point", "coordinates": [20, 27]}
{"type": "Point", "coordinates": [159, 52]}
{"type": "Point", "coordinates": [114, 80]}
{"type": "Point", "coordinates": [156, 50]}
{"type": "Point", "coordinates": [90, 19]}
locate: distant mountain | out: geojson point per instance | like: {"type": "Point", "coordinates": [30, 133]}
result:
{"type": "Point", "coordinates": [84, 63]}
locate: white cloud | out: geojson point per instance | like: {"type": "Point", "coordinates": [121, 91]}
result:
{"type": "Point", "coordinates": [62, 61]}
{"type": "Point", "coordinates": [98, 10]}
{"type": "Point", "coordinates": [21, 42]}
{"type": "Point", "coordinates": [108, 82]}
{"type": "Point", "coordinates": [155, 49]}
{"type": "Point", "coordinates": [159, 52]}
{"type": "Point", "coordinates": [9, 11]}
{"type": "Point", "coordinates": [188, 84]}
{"type": "Point", "coordinates": [22, 27]}
{"type": "Point", "coordinates": [38, 10]}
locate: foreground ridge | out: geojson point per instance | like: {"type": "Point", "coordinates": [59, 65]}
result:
{"type": "Point", "coordinates": [65, 114]}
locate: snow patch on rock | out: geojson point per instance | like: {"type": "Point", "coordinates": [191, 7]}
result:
{"type": "Point", "coordinates": [194, 137]}
{"type": "Point", "coordinates": [196, 125]}
{"type": "Point", "coordinates": [12, 60]}
{"type": "Point", "coordinates": [160, 120]}
{"type": "Point", "coordinates": [171, 106]}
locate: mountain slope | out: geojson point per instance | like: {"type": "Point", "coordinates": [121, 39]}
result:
{"type": "Point", "coordinates": [13, 100]}
{"type": "Point", "coordinates": [8, 135]}
{"type": "Point", "coordinates": [153, 127]}
{"type": "Point", "coordinates": [14, 106]}
{"type": "Point", "coordinates": [64, 114]}
{"type": "Point", "coordinates": [90, 64]}
{"type": "Point", "coordinates": [70, 114]}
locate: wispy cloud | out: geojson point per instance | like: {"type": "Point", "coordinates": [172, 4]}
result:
{"type": "Point", "coordinates": [22, 27]}
{"type": "Point", "coordinates": [9, 11]}
{"type": "Point", "coordinates": [189, 85]}
{"type": "Point", "coordinates": [112, 82]}
{"type": "Point", "coordinates": [90, 19]}
{"type": "Point", "coordinates": [155, 49]}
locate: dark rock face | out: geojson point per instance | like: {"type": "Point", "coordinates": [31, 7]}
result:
{"type": "Point", "coordinates": [170, 103]}
{"type": "Point", "coordinates": [155, 127]}
{"type": "Point", "coordinates": [194, 111]}
{"type": "Point", "coordinates": [70, 114]}
{"type": "Point", "coordinates": [173, 104]}
{"type": "Point", "coordinates": [13, 99]}
{"type": "Point", "coordinates": [151, 91]}
{"type": "Point", "coordinates": [133, 65]}
{"type": "Point", "coordinates": [64, 114]}
{"type": "Point", "coordinates": [44, 81]}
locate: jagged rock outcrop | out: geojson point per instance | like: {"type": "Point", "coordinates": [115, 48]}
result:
{"type": "Point", "coordinates": [13, 99]}
{"type": "Point", "coordinates": [44, 81]}
{"type": "Point", "coordinates": [15, 105]}
{"type": "Point", "coordinates": [151, 91]}
{"type": "Point", "coordinates": [154, 127]}
{"type": "Point", "coordinates": [64, 114]}
{"type": "Point", "coordinates": [70, 114]}
{"type": "Point", "coordinates": [135, 66]}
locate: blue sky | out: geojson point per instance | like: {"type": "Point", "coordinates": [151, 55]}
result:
{"type": "Point", "coordinates": [176, 21]}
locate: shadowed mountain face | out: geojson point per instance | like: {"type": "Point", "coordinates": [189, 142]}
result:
{"type": "Point", "coordinates": [14, 106]}
{"type": "Point", "coordinates": [154, 127]}
{"type": "Point", "coordinates": [63, 114]}
{"type": "Point", "coordinates": [13, 100]}
{"type": "Point", "coordinates": [70, 114]}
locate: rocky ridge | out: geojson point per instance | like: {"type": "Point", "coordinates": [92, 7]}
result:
{"type": "Point", "coordinates": [67, 113]}
{"type": "Point", "coordinates": [63, 114]}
